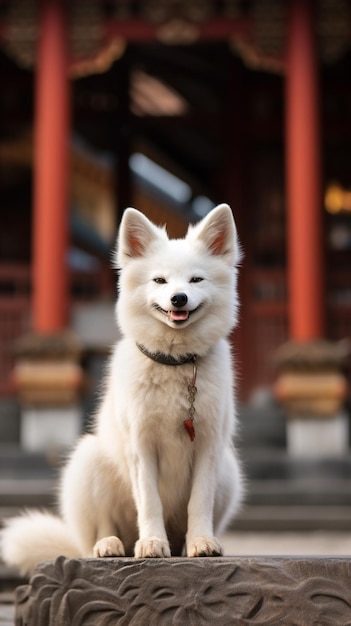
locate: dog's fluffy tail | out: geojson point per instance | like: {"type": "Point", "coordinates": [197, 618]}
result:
{"type": "Point", "coordinates": [33, 537]}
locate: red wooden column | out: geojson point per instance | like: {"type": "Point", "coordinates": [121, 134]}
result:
{"type": "Point", "coordinates": [303, 178]}
{"type": "Point", "coordinates": [50, 223]}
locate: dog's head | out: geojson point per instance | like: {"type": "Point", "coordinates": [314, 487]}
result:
{"type": "Point", "coordinates": [178, 291]}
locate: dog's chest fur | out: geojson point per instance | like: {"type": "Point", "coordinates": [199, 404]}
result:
{"type": "Point", "coordinates": [158, 395]}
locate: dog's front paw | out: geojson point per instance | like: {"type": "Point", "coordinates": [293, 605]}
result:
{"type": "Point", "coordinates": [204, 546]}
{"type": "Point", "coordinates": [151, 547]}
{"type": "Point", "coordinates": [108, 546]}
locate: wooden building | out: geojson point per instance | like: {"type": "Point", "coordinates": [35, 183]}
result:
{"type": "Point", "coordinates": [246, 101]}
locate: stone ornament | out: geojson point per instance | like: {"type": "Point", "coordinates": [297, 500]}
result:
{"type": "Point", "coordinates": [178, 591]}
{"type": "Point", "coordinates": [311, 377]}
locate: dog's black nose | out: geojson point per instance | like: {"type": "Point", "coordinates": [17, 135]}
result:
{"type": "Point", "coordinates": [179, 300]}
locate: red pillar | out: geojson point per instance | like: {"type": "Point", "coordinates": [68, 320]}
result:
{"type": "Point", "coordinates": [303, 178]}
{"type": "Point", "coordinates": [50, 220]}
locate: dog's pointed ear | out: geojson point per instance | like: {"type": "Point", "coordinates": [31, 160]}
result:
{"type": "Point", "coordinates": [136, 233]}
{"type": "Point", "coordinates": [218, 232]}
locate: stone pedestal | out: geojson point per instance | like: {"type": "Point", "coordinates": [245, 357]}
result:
{"type": "Point", "coordinates": [49, 379]}
{"type": "Point", "coordinates": [312, 388]}
{"type": "Point", "coordinates": [47, 428]}
{"type": "Point", "coordinates": [181, 591]}
{"type": "Point", "coordinates": [314, 437]}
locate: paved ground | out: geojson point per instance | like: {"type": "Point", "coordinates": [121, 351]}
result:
{"type": "Point", "coordinates": [7, 614]}
{"type": "Point", "coordinates": [287, 543]}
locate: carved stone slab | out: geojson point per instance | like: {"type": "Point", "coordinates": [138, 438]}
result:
{"type": "Point", "coordinates": [180, 592]}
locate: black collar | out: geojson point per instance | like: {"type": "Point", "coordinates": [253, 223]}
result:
{"type": "Point", "coordinates": [167, 359]}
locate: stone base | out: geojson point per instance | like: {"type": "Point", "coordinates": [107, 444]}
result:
{"type": "Point", "coordinates": [225, 591]}
{"type": "Point", "coordinates": [50, 428]}
{"type": "Point", "coordinates": [313, 437]}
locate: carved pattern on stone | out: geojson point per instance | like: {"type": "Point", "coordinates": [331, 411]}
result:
{"type": "Point", "coordinates": [196, 592]}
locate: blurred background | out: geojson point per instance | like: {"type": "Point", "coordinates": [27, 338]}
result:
{"type": "Point", "coordinates": [173, 107]}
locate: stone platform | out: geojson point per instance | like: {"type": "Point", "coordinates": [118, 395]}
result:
{"type": "Point", "coordinates": [162, 592]}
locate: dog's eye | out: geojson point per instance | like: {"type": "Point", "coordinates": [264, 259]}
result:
{"type": "Point", "coordinates": [196, 279]}
{"type": "Point", "coordinates": [160, 280]}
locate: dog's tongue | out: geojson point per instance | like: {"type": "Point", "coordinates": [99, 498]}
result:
{"type": "Point", "coordinates": [178, 315]}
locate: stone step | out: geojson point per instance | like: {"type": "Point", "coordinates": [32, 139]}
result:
{"type": "Point", "coordinates": [7, 611]}
{"type": "Point", "coordinates": [292, 518]}
{"type": "Point", "coordinates": [27, 492]}
{"type": "Point", "coordinates": [274, 478]}
{"type": "Point", "coordinates": [9, 580]}
{"type": "Point", "coordinates": [261, 427]}
{"type": "Point", "coordinates": [16, 461]}
{"type": "Point", "coordinates": [10, 417]}
{"type": "Point", "coordinates": [27, 479]}
{"type": "Point", "coordinates": [294, 492]}
{"type": "Point", "coordinates": [272, 463]}
{"type": "Point", "coordinates": [268, 517]}
{"type": "Point", "coordinates": [303, 491]}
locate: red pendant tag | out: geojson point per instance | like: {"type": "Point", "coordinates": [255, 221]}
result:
{"type": "Point", "coordinates": [189, 427]}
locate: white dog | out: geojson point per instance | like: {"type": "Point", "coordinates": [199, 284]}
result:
{"type": "Point", "coordinates": [159, 474]}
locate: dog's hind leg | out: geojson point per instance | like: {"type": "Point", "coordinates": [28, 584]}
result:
{"type": "Point", "coordinates": [86, 498]}
{"type": "Point", "coordinates": [229, 493]}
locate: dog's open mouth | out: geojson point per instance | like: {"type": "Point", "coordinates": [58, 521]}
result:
{"type": "Point", "coordinates": [177, 316]}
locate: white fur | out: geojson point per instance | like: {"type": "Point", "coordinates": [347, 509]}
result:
{"type": "Point", "coordinates": [138, 485]}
